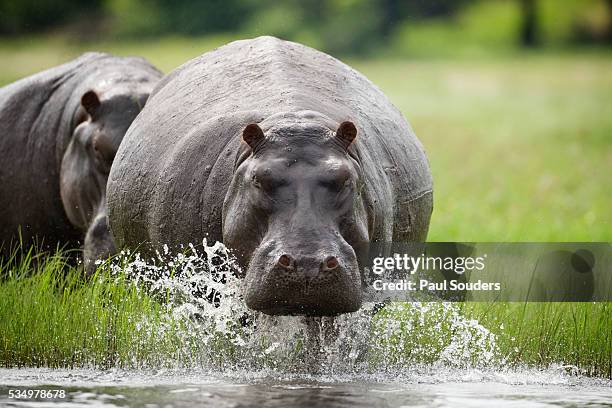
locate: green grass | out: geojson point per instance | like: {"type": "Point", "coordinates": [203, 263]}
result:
{"type": "Point", "coordinates": [575, 335]}
{"type": "Point", "coordinates": [539, 334]}
{"type": "Point", "coordinates": [520, 148]}
{"type": "Point", "coordinates": [50, 316]}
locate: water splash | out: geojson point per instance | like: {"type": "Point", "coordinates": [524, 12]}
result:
{"type": "Point", "coordinates": [209, 325]}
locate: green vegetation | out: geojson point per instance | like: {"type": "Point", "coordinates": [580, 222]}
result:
{"type": "Point", "coordinates": [50, 316]}
{"type": "Point", "coordinates": [346, 27]}
{"type": "Point", "coordinates": [539, 334]}
{"type": "Point", "coordinates": [575, 335]}
{"type": "Point", "coordinates": [520, 148]}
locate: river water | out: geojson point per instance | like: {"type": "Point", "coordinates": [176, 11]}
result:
{"type": "Point", "coordinates": [426, 388]}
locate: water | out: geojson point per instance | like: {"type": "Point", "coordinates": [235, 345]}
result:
{"type": "Point", "coordinates": [208, 325]}
{"type": "Point", "coordinates": [213, 351]}
{"type": "Point", "coordinates": [191, 388]}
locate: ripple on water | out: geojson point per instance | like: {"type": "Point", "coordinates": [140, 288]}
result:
{"type": "Point", "coordinates": [451, 387]}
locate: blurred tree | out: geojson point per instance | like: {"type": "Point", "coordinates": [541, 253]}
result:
{"type": "Point", "coordinates": [608, 35]}
{"type": "Point", "coordinates": [529, 23]}
{"type": "Point", "coordinates": [187, 17]}
{"type": "Point", "coordinates": [390, 16]}
{"type": "Point", "coordinates": [351, 27]}
{"type": "Point", "coordinates": [593, 25]}
{"type": "Point", "coordinates": [395, 11]}
{"type": "Point", "coordinates": [361, 26]}
{"type": "Point", "coordinates": [422, 9]}
{"type": "Point", "coordinates": [338, 26]}
{"type": "Point", "coordinates": [24, 16]}
{"type": "Point", "coordinates": [313, 10]}
{"type": "Point", "coordinates": [201, 17]}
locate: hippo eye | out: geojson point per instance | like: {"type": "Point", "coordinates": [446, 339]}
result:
{"type": "Point", "coordinates": [267, 182]}
{"type": "Point", "coordinates": [337, 183]}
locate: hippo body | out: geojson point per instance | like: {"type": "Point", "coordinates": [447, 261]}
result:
{"type": "Point", "coordinates": [285, 154]}
{"type": "Point", "coordinates": [59, 131]}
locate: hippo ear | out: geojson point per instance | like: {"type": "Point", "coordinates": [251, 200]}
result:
{"type": "Point", "coordinates": [90, 102]}
{"type": "Point", "coordinates": [346, 133]}
{"type": "Point", "coordinates": [253, 135]}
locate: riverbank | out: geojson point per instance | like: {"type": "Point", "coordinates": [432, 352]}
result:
{"type": "Point", "coordinates": [50, 316]}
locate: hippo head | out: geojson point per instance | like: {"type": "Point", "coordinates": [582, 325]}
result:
{"type": "Point", "coordinates": [101, 125]}
{"type": "Point", "coordinates": [293, 213]}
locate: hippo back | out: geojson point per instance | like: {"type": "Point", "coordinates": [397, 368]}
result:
{"type": "Point", "coordinates": [172, 171]}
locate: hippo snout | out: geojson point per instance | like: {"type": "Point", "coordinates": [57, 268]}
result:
{"type": "Point", "coordinates": [99, 244]}
{"type": "Point", "coordinates": [290, 283]}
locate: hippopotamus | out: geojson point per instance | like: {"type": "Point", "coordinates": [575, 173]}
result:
{"type": "Point", "coordinates": [285, 154]}
{"type": "Point", "coordinates": [59, 132]}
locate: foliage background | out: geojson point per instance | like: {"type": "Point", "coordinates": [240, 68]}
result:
{"type": "Point", "coordinates": [337, 26]}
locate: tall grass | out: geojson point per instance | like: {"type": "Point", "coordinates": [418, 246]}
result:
{"type": "Point", "coordinates": [574, 336]}
{"type": "Point", "coordinates": [51, 316]}
{"type": "Point", "coordinates": [538, 334]}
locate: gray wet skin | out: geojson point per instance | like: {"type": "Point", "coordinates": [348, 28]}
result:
{"type": "Point", "coordinates": [288, 156]}
{"type": "Point", "coordinates": [59, 133]}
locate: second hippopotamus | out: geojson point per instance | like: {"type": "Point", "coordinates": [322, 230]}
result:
{"type": "Point", "coordinates": [59, 132]}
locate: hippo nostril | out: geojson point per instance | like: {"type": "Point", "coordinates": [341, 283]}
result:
{"type": "Point", "coordinates": [331, 262]}
{"type": "Point", "coordinates": [285, 261]}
